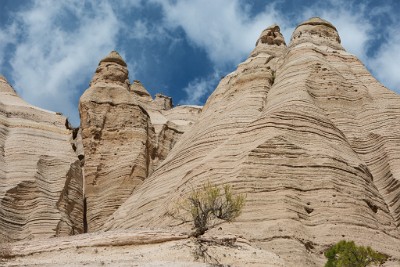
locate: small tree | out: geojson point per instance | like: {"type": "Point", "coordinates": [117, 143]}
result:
{"type": "Point", "coordinates": [348, 254]}
{"type": "Point", "coordinates": [207, 204]}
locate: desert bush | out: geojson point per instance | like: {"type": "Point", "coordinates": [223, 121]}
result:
{"type": "Point", "coordinates": [348, 254]}
{"type": "Point", "coordinates": [209, 204]}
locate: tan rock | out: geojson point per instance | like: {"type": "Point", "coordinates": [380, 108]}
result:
{"type": "Point", "coordinates": [117, 138]}
{"type": "Point", "coordinates": [142, 247]}
{"type": "Point", "coordinates": [308, 135]}
{"type": "Point", "coordinates": [40, 175]}
{"type": "Point", "coordinates": [169, 122]}
{"type": "Point", "coordinates": [163, 102]}
{"type": "Point", "coordinates": [125, 135]}
{"type": "Point", "coordinates": [272, 36]}
{"type": "Point", "coordinates": [138, 89]}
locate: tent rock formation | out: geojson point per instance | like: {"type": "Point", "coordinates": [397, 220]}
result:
{"type": "Point", "coordinates": [302, 129]}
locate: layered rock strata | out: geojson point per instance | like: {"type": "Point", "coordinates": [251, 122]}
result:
{"type": "Point", "coordinates": [40, 176]}
{"type": "Point", "coordinates": [307, 134]}
{"type": "Point", "coordinates": [169, 122]}
{"type": "Point", "coordinates": [117, 138]}
{"type": "Point", "coordinates": [125, 135]}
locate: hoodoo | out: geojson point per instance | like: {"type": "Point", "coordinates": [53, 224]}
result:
{"type": "Point", "coordinates": [125, 135]}
{"type": "Point", "coordinates": [117, 140]}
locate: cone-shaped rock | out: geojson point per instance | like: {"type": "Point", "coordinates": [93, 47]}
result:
{"type": "Point", "coordinates": [307, 134]}
{"type": "Point", "coordinates": [138, 89]}
{"type": "Point", "coordinates": [40, 175]}
{"type": "Point", "coordinates": [318, 31]}
{"type": "Point", "coordinates": [117, 139]}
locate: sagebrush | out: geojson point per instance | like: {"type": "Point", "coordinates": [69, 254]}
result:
{"type": "Point", "coordinates": [348, 254]}
{"type": "Point", "coordinates": [208, 205]}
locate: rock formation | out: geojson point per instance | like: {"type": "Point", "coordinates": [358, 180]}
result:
{"type": "Point", "coordinates": [169, 122]}
{"type": "Point", "coordinates": [125, 134]}
{"type": "Point", "coordinates": [40, 175]}
{"type": "Point", "coordinates": [302, 129]}
{"type": "Point", "coordinates": [307, 134]}
{"type": "Point", "coordinates": [117, 138]}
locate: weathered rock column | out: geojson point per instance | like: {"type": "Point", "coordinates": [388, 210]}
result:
{"type": "Point", "coordinates": [117, 138]}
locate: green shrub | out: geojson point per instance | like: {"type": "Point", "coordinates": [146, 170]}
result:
{"type": "Point", "coordinates": [348, 254]}
{"type": "Point", "coordinates": [208, 204]}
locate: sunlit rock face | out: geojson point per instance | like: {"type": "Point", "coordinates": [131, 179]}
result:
{"type": "Point", "coordinates": [125, 136]}
{"type": "Point", "coordinates": [307, 134]}
{"type": "Point", "coordinates": [41, 180]}
{"type": "Point", "coordinates": [117, 138]}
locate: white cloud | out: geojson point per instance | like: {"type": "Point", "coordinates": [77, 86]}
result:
{"type": "Point", "coordinates": [51, 60]}
{"type": "Point", "coordinates": [357, 31]}
{"type": "Point", "coordinates": [198, 89]}
{"type": "Point", "coordinates": [352, 23]}
{"type": "Point", "coordinates": [386, 63]}
{"type": "Point", "coordinates": [225, 28]}
{"type": "Point", "coordinates": [7, 37]}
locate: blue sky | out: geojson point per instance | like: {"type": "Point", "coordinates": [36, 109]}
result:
{"type": "Point", "coordinates": [50, 49]}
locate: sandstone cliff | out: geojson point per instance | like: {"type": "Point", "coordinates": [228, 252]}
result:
{"type": "Point", "coordinates": [40, 175]}
{"type": "Point", "coordinates": [308, 134]}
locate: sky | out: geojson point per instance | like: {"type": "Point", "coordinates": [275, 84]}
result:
{"type": "Point", "coordinates": [49, 49]}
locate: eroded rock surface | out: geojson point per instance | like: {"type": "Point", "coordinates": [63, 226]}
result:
{"type": "Point", "coordinates": [307, 134]}
{"type": "Point", "coordinates": [125, 135]}
{"type": "Point", "coordinates": [169, 122]}
{"type": "Point", "coordinates": [140, 247]}
{"type": "Point", "coordinates": [117, 138]}
{"type": "Point", "coordinates": [41, 180]}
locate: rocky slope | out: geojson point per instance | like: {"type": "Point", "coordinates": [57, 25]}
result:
{"type": "Point", "coordinates": [41, 183]}
{"type": "Point", "coordinates": [307, 134]}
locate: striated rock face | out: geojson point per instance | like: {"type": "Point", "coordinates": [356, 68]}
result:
{"type": "Point", "coordinates": [117, 138]}
{"type": "Point", "coordinates": [169, 122]}
{"type": "Point", "coordinates": [40, 175]}
{"type": "Point", "coordinates": [307, 134]}
{"type": "Point", "coordinates": [125, 135]}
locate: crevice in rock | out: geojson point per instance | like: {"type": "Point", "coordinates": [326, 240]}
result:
{"type": "Point", "coordinates": [85, 225]}
{"type": "Point", "coordinates": [373, 207]}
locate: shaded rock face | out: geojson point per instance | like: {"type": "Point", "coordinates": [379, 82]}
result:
{"type": "Point", "coordinates": [40, 175]}
{"type": "Point", "coordinates": [307, 134]}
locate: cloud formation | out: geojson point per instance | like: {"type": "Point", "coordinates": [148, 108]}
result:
{"type": "Point", "coordinates": [226, 29]}
{"type": "Point", "coordinates": [52, 57]}
{"type": "Point", "coordinates": [198, 89]}
{"type": "Point", "coordinates": [385, 64]}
